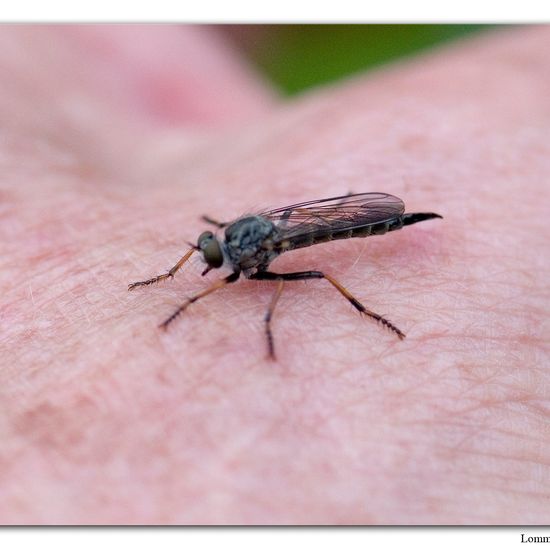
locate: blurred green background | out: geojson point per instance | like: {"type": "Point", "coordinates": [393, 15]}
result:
{"type": "Point", "coordinates": [296, 57]}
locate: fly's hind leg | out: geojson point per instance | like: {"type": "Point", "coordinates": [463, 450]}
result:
{"type": "Point", "coordinates": [304, 275]}
{"type": "Point", "coordinates": [159, 278]}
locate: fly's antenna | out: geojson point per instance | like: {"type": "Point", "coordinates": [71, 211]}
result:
{"type": "Point", "coordinates": [415, 217]}
{"type": "Point", "coordinates": [193, 246]}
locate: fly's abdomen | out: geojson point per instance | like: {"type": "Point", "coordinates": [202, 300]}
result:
{"type": "Point", "coordinates": [374, 229]}
{"type": "Point", "coordinates": [320, 237]}
{"type": "Point", "coordinates": [384, 227]}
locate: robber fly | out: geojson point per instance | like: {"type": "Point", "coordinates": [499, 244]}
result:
{"type": "Point", "coordinates": [252, 242]}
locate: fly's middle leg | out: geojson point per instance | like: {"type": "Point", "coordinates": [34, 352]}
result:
{"type": "Point", "coordinates": [269, 315]}
{"type": "Point", "coordinates": [216, 286]}
{"type": "Point", "coordinates": [305, 275]}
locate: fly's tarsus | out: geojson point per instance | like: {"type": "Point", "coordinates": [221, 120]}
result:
{"type": "Point", "coordinates": [152, 281]}
{"type": "Point", "coordinates": [169, 275]}
{"type": "Point", "coordinates": [177, 313]}
{"type": "Point", "coordinates": [363, 310]}
{"type": "Point", "coordinates": [384, 322]}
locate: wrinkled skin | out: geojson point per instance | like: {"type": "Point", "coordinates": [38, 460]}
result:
{"type": "Point", "coordinates": [116, 139]}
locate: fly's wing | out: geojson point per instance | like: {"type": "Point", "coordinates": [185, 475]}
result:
{"type": "Point", "coordinates": [326, 216]}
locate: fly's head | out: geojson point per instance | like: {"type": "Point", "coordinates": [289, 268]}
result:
{"type": "Point", "coordinates": [211, 249]}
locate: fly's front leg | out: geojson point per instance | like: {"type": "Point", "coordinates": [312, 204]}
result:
{"type": "Point", "coordinates": [216, 286]}
{"type": "Point", "coordinates": [170, 273]}
{"type": "Point", "coordinates": [305, 275]}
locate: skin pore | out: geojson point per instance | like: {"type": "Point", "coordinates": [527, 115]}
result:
{"type": "Point", "coordinates": [115, 140]}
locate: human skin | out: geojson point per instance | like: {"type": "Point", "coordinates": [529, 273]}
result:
{"type": "Point", "coordinates": [116, 139]}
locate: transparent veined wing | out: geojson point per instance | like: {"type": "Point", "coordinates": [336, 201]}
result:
{"type": "Point", "coordinates": [325, 216]}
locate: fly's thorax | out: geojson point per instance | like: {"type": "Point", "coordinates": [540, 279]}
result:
{"type": "Point", "coordinates": [247, 242]}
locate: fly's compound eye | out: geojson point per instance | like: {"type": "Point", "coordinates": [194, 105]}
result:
{"type": "Point", "coordinates": [204, 238]}
{"type": "Point", "coordinates": [213, 254]}
{"type": "Point", "coordinates": [211, 249]}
